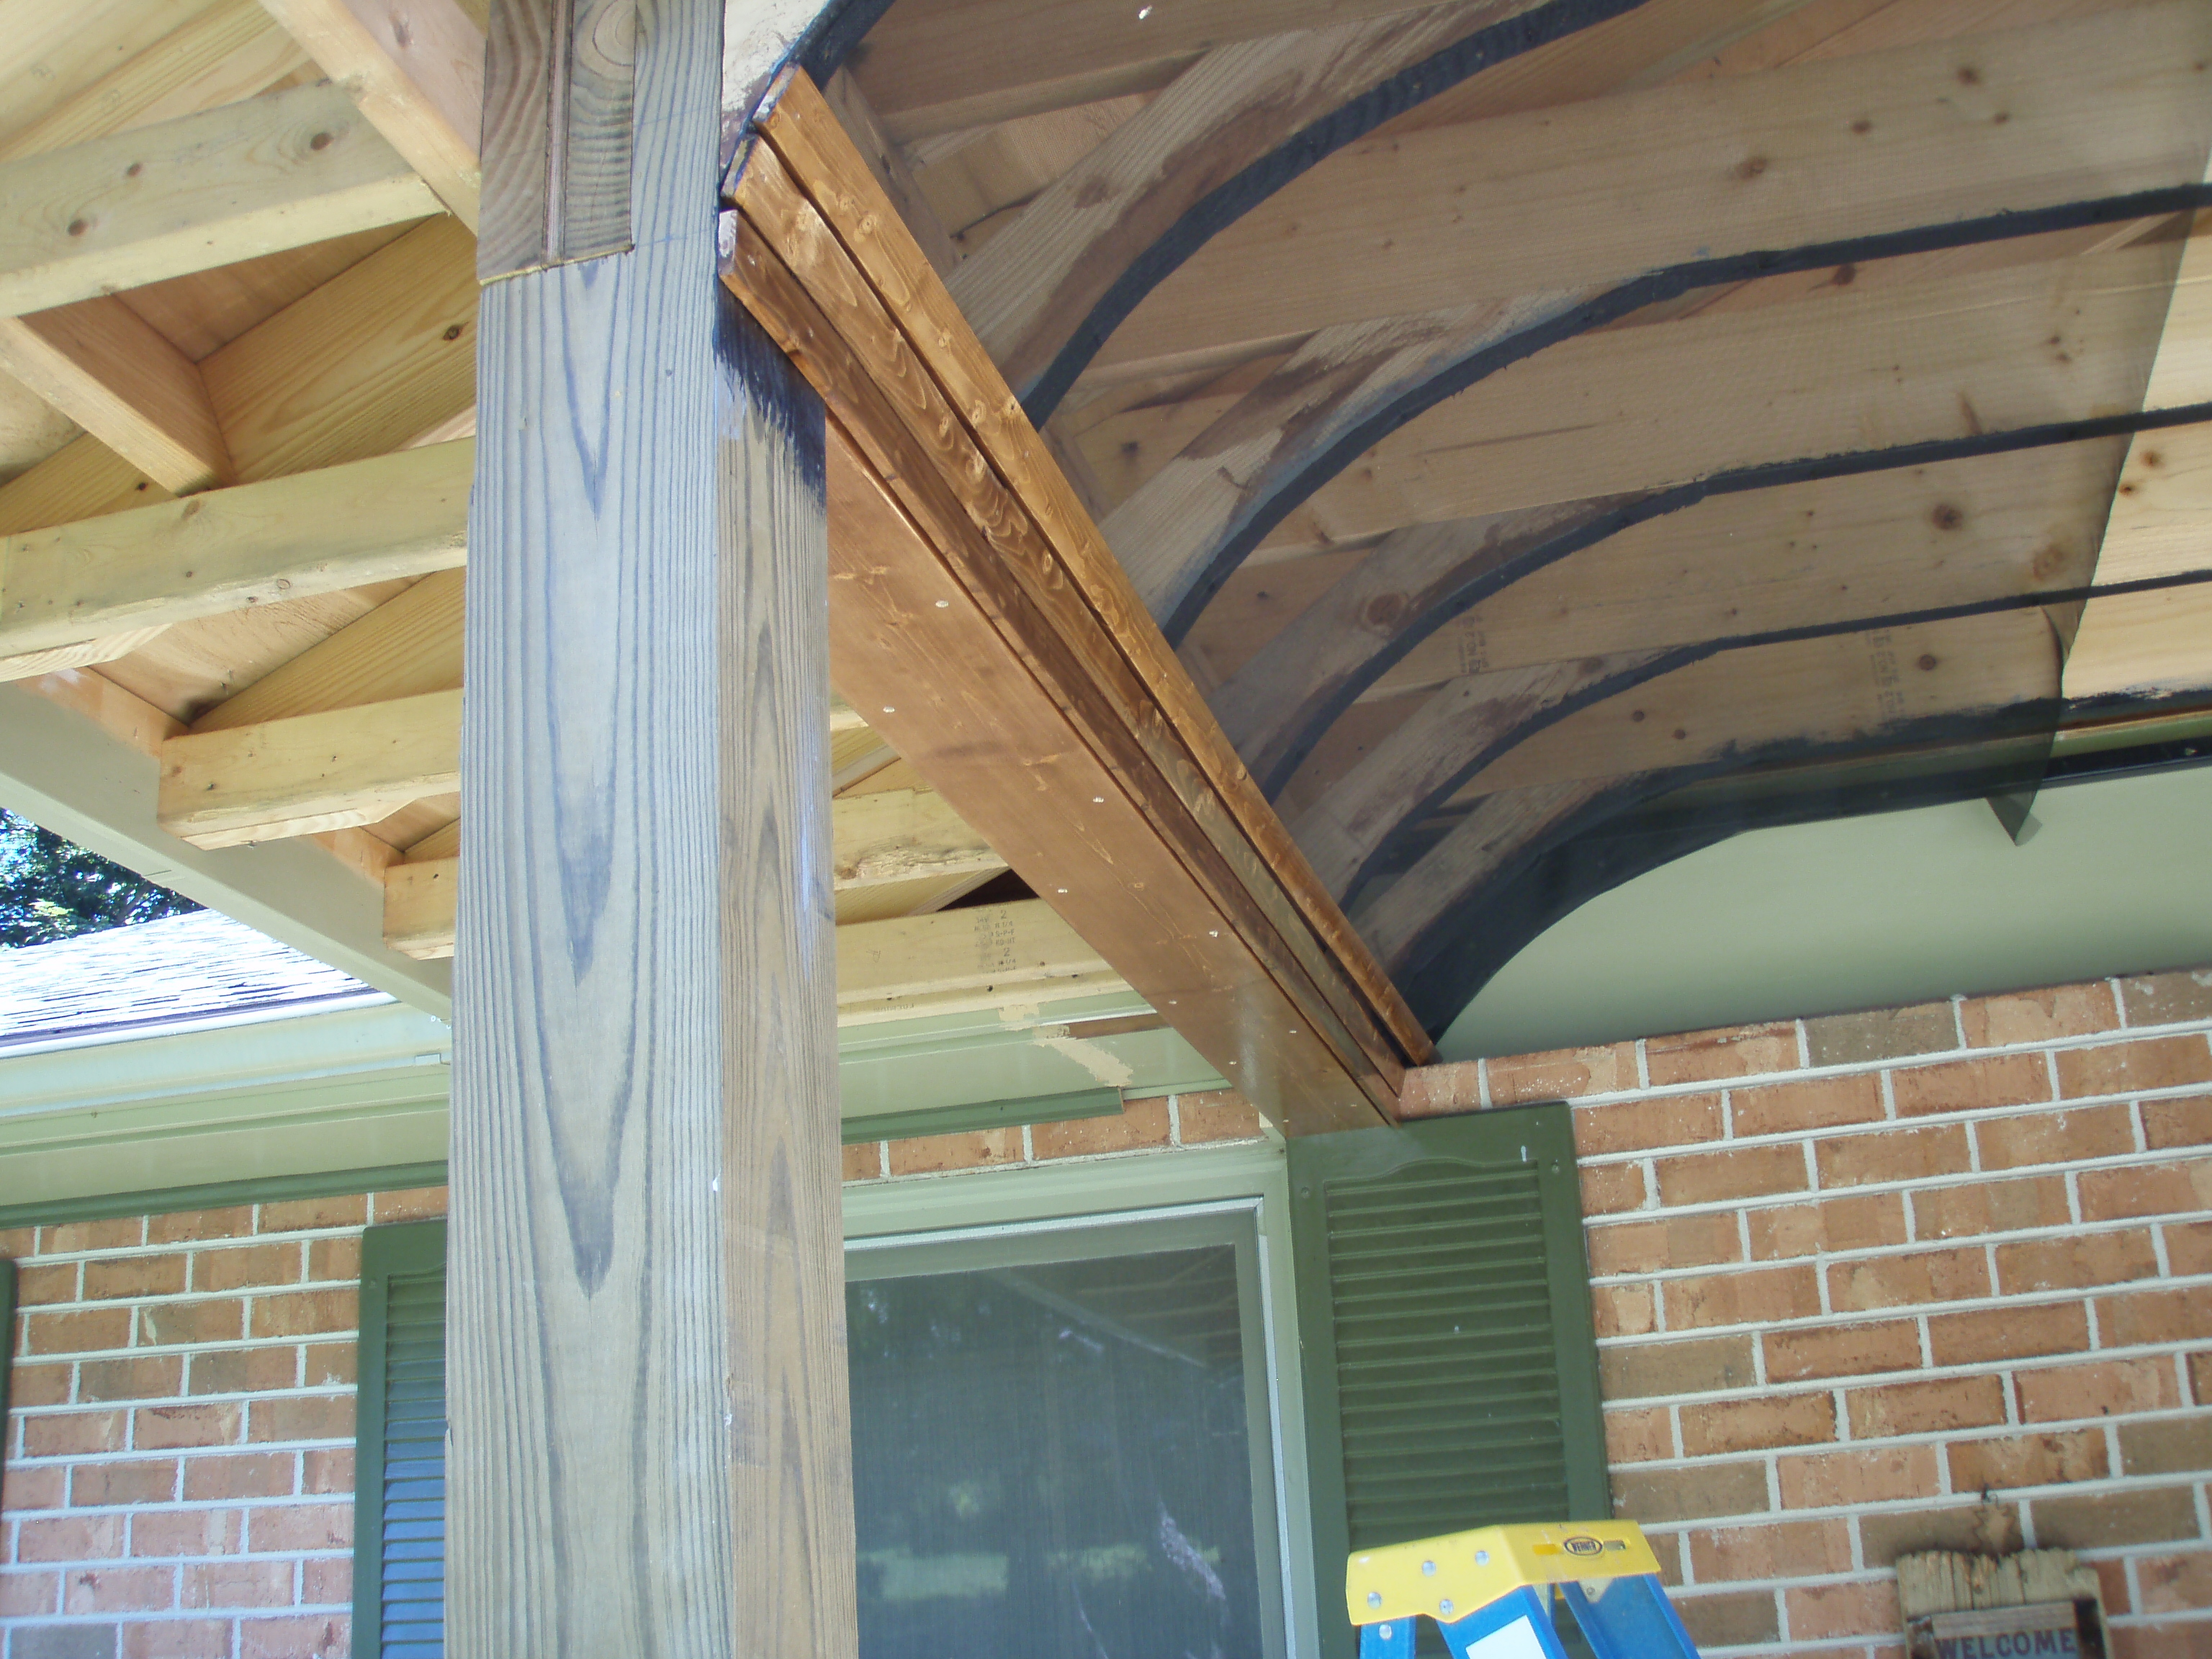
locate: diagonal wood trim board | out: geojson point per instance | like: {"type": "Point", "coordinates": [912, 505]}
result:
{"type": "Point", "coordinates": [976, 606]}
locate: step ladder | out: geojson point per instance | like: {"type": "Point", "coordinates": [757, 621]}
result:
{"type": "Point", "coordinates": [1492, 1592]}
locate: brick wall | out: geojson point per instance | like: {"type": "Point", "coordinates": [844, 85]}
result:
{"type": "Point", "coordinates": [179, 1459]}
{"type": "Point", "coordinates": [1144, 1125]}
{"type": "Point", "coordinates": [1936, 1277]}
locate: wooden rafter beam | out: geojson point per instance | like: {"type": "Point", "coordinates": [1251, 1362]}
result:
{"type": "Point", "coordinates": [277, 171]}
{"type": "Point", "coordinates": [416, 67]}
{"type": "Point", "coordinates": [394, 516]}
{"type": "Point", "coordinates": [978, 611]}
{"type": "Point", "coordinates": [112, 373]}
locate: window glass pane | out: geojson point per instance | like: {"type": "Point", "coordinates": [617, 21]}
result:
{"type": "Point", "coordinates": [1055, 1458]}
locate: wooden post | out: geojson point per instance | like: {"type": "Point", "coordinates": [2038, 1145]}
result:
{"type": "Point", "coordinates": [648, 1389]}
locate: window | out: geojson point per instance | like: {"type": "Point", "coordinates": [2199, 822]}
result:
{"type": "Point", "coordinates": [399, 1468]}
{"type": "Point", "coordinates": [1063, 1443]}
{"type": "Point", "coordinates": [1450, 1367]}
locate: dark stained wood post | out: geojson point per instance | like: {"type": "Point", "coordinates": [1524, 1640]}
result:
{"type": "Point", "coordinates": [649, 1451]}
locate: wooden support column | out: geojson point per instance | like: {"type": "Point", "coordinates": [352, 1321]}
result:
{"type": "Point", "coordinates": [649, 1445]}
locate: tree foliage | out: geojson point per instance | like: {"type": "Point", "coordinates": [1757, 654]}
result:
{"type": "Point", "coordinates": [52, 889]}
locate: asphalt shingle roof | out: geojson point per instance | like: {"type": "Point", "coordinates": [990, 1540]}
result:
{"type": "Point", "coordinates": [129, 980]}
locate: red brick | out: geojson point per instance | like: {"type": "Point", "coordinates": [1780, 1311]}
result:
{"type": "Point", "coordinates": [2112, 1585]}
{"type": "Point", "coordinates": [149, 1377]}
{"type": "Point", "coordinates": [1562, 1074]}
{"type": "Point", "coordinates": [186, 1531]}
{"type": "Point", "coordinates": [1892, 1155]}
{"type": "Point", "coordinates": [2056, 1394]}
{"type": "Point", "coordinates": [120, 1232]}
{"type": "Point", "coordinates": [243, 1370]}
{"type": "Point", "coordinates": [292, 1527]}
{"type": "Point", "coordinates": [2176, 1583]}
{"type": "Point", "coordinates": [2075, 1263]}
{"type": "Point", "coordinates": [119, 1589]}
{"type": "Point", "coordinates": [133, 1275]}
{"type": "Point", "coordinates": [326, 1471]}
{"type": "Point", "coordinates": [1860, 1221]}
{"type": "Point", "coordinates": [1731, 1051]}
{"type": "Point", "coordinates": [2007, 1333]}
{"type": "Point", "coordinates": [1813, 1103]}
{"type": "Point", "coordinates": [410, 1204]}
{"type": "Point", "coordinates": [1800, 1356]}
{"type": "Point", "coordinates": [245, 1266]}
{"type": "Point", "coordinates": [2126, 1068]}
{"type": "Point", "coordinates": [1771, 1549]}
{"type": "Point", "coordinates": [1760, 1296]}
{"type": "Point", "coordinates": [2045, 1016]}
{"type": "Point", "coordinates": [238, 1585]}
{"type": "Point", "coordinates": [1925, 1028]}
{"type": "Point", "coordinates": [1216, 1115]}
{"type": "Point", "coordinates": [1623, 1310]}
{"type": "Point", "coordinates": [28, 1594]}
{"type": "Point", "coordinates": [1708, 1491]}
{"type": "Point", "coordinates": [41, 1385]}
{"type": "Point", "coordinates": [43, 1283]}
{"type": "Point", "coordinates": [16, 1242]}
{"type": "Point", "coordinates": [2140, 1316]}
{"type": "Point", "coordinates": [1991, 1206]}
{"type": "Point", "coordinates": [864, 1160]}
{"type": "Point", "coordinates": [2153, 1514]}
{"type": "Point", "coordinates": [2167, 998]}
{"type": "Point", "coordinates": [933, 1154]}
{"type": "Point", "coordinates": [308, 1214]}
{"type": "Point", "coordinates": [1612, 1189]}
{"type": "Point", "coordinates": [69, 1538]}
{"type": "Point", "coordinates": [329, 1362]}
{"type": "Point", "coordinates": [2167, 1445]}
{"type": "Point", "coordinates": [176, 1638]}
{"type": "Point", "coordinates": [2028, 1460]}
{"type": "Point", "coordinates": [1865, 1608]}
{"type": "Point", "coordinates": [1894, 1281]}
{"type": "Point", "coordinates": [2188, 1247]}
{"type": "Point", "coordinates": [1839, 1480]}
{"type": "Point", "coordinates": [36, 1486]}
{"type": "Point", "coordinates": [2177, 1188]}
{"type": "Point", "coordinates": [1638, 1125]}
{"type": "Point", "coordinates": [1950, 1402]}
{"type": "Point", "coordinates": [239, 1474]}
{"type": "Point", "coordinates": [190, 1226]}
{"type": "Point", "coordinates": [1139, 1124]}
{"type": "Point", "coordinates": [1736, 1426]}
{"type": "Point", "coordinates": [1701, 1365]}
{"type": "Point", "coordinates": [92, 1330]}
{"type": "Point", "coordinates": [303, 1417]}
{"type": "Point", "coordinates": [334, 1259]}
{"type": "Point", "coordinates": [191, 1324]}
{"type": "Point", "coordinates": [321, 1637]}
{"type": "Point", "coordinates": [1639, 1436]}
{"type": "Point", "coordinates": [2185, 1121]}
{"type": "Point", "coordinates": [1731, 1620]}
{"type": "Point", "coordinates": [1991, 1529]}
{"type": "Point", "coordinates": [1682, 1241]}
{"type": "Point", "coordinates": [1743, 1172]}
{"type": "Point", "coordinates": [163, 1426]}
{"type": "Point", "coordinates": [105, 1484]}
{"type": "Point", "coordinates": [1970, 1085]}
{"type": "Point", "coordinates": [305, 1313]}
{"type": "Point", "coordinates": [2188, 1639]}
{"type": "Point", "coordinates": [326, 1581]}
{"type": "Point", "coordinates": [2072, 1136]}
{"type": "Point", "coordinates": [2200, 1378]}
{"type": "Point", "coordinates": [71, 1434]}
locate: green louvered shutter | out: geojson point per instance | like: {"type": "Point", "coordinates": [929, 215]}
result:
{"type": "Point", "coordinates": [399, 1544]}
{"type": "Point", "coordinates": [1450, 1365]}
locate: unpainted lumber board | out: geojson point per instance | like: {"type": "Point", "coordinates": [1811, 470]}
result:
{"type": "Point", "coordinates": [1059, 562]}
{"type": "Point", "coordinates": [416, 67]}
{"type": "Point", "coordinates": [556, 132]}
{"type": "Point", "coordinates": [400, 515]}
{"type": "Point", "coordinates": [108, 369]}
{"type": "Point", "coordinates": [885, 160]}
{"type": "Point", "coordinates": [278, 171]}
{"type": "Point", "coordinates": [82, 480]}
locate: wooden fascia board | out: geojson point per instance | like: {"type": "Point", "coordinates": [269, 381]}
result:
{"type": "Point", "coordinates": [1061, 724]}
{"type": "Point", "coordinates": [64, 771]}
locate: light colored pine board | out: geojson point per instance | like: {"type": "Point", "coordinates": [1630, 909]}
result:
{"type": "Point", "coordinates": [108, 369]}
{"type": "Point", "coordinates": [409, 645]}
{"type": "Point", "coordinates": [278, 171]}
{"type": "Point", "coordinates": [417, 70]}
{"type": "Point", "coordinates": [82, 479]}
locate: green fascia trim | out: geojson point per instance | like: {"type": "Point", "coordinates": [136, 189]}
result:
{"type": "Point", "coordinates": [984, 1114]}
{"type": "Point", "coordinates": [224, 1195]}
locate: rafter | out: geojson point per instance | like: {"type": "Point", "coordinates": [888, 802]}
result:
{"type": "Point", "coordinates": [279, 171]}
{"type": "Point", "coordinates": [109, 370]}
{"type": "Point", "coordinates": [400, 515]}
